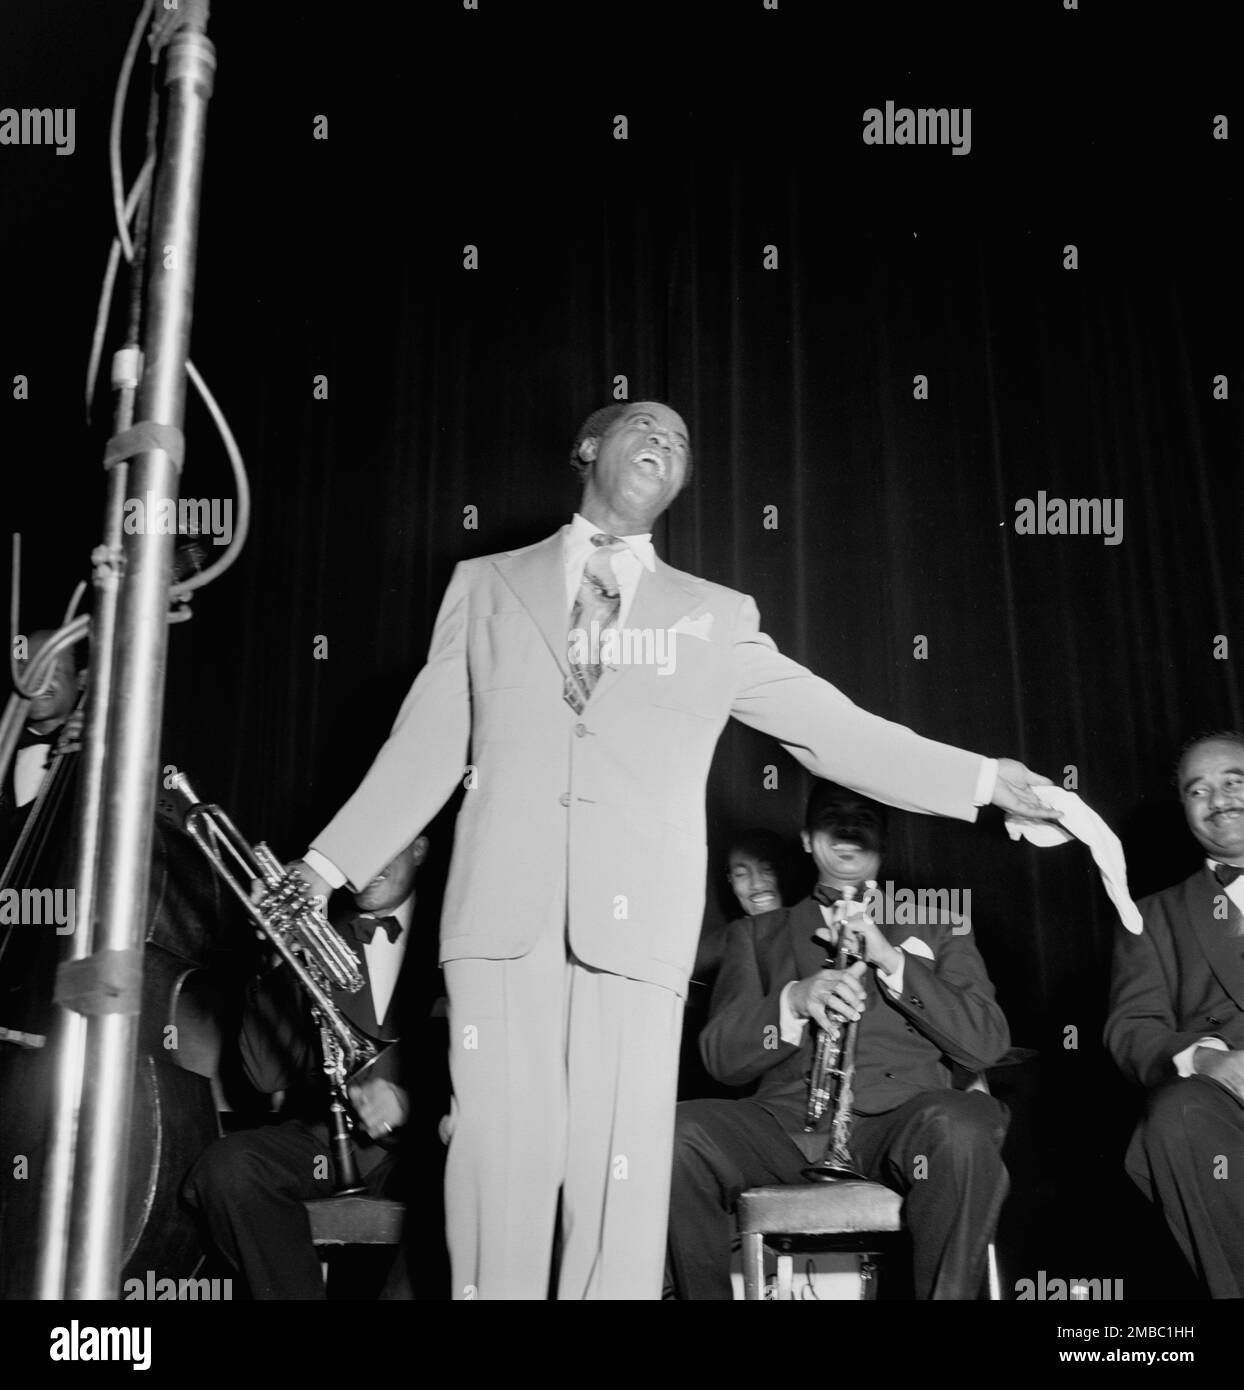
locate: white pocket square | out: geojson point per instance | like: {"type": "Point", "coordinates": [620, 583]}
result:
{"type": "Point", "coordinates": [694, 627]}
{"type": "Point", "coordinates": [915, 947]}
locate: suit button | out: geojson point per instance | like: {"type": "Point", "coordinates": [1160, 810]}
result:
{"type": "Point", "coordinates": [889, 1076]}
{"type": "Point", "coordinates": [1212, 1021]}
{"type": "Point", "coordinates": [564, 798]}
{"type": "Point", "coordinates": [580, 730]}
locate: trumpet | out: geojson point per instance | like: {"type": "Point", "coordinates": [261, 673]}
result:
{"type": "Point", "coordinates": [830, 1082]}
{"type": "Point", "coordinates": [296, 926]}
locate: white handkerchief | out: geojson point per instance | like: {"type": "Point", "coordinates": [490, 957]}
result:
{"type": "Point", "coordinates": [915, 947]}
{"type": "Point", "coordinates": [1081, 822]}
{"type": "Point", "coordinates": [694, 627]}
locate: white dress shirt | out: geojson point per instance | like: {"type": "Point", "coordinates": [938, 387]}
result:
{"type": "Point", "coordinates": [1183, 1060]}
{"type": "Point", "coordinates": [28, 770]}
{"type": "Point", "coordinates": [628, 564]}
{"type": "Point", "coordinates": [384, 957]}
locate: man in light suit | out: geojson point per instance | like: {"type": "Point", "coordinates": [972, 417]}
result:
{"type": "Point", "coordinates": [921, 999]}
{"type": "Point", "coordinates": [1176, 1025]}
{"type": "Point", "coordinates": [576, 890]}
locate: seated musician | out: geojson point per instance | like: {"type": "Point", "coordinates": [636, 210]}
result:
{"type": "Point", "coordinates": [49, 709]}
{"type": "Point", "coordinates": [1176, 1025]}
{"type": "Point", "coordinates": [758, 871]}
{"type": "Point", "coordinates": [250, 1186]}
{"type": "Point", "coordinates": [922, 999]}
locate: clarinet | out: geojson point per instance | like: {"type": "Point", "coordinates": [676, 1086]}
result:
{"type": "Point", "coordinates": [830, 1082]}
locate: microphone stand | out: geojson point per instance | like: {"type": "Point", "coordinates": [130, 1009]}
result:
{"type": "Point", "coordinates": [100, 987]}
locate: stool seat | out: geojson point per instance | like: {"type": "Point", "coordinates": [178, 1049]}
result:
{"type": "Point", "coordinates": [819, 1209]}
{"type": "Point", "coordinates": [355, 1220]}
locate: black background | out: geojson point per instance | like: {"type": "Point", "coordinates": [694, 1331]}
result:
{"type": "Point", "coordinates": [452, 388]}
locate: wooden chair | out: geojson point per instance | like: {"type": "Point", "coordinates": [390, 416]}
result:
{"type": "Point", "coordinates": [352, 1221]}
{"type": "Point", "coordinates": [851, 1216]}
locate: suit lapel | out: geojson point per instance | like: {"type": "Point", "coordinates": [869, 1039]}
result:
{"type": "Point", "coordinates": [1220, 940]}
{"type": "Point", "coordinates": [661, 598]}
{"type": "Point", "coordinates": [810, 950]}
{"type": "Point", "coordinates": [536, 578]}
{"type": "Point", "coordinates": [360, 1007]}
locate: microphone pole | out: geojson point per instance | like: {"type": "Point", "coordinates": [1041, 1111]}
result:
{"type": "Point", "coordinates": [100, 988]}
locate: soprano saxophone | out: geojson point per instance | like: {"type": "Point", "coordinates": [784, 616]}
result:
{"type": "Point", "coordinates": [296, 926]}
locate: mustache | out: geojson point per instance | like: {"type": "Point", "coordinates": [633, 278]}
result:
{"type": "Point", "coordinates": [858, 829]}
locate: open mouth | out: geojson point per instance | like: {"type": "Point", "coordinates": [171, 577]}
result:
{"type": "Point", "coordinates": [765, 899]}
{"type": "Point", "coordinates": [652, 463]}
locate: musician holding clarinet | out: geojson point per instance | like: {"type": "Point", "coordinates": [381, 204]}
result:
{"type": "Point", "coordinates": [847, 1018]}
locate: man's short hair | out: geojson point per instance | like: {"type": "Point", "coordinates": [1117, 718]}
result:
{"type": "Point", "coordinates": [763, 845]}
{"type": "Point", "coordinates": [827, 797]}
{"type": "Point", "coordinates": [1209, 736]}
{"type": "Point", "coordinates": [597, 425]}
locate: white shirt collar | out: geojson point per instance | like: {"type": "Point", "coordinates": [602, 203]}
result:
{"type": "Point", "coordinates": [579, 542]}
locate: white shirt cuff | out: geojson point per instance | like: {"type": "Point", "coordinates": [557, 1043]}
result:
{"type": "Point", "coordinates": [325, 867]}
{"type": "Point", "coordinates": [1183, 1060]}
{"type": "Point", "coordinates": [894, 983]}
{"type": "Point", "coordinates": [791, 1027]}
{"type": "Point", "coordinates": [986, 782]}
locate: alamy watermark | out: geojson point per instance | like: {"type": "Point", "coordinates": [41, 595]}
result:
{"type": "Point", "coordinates": [1072, 1290]}
{"type": "Point", "coordinates": [78, 1343]}
{"type": "Point", "coordinates": [1070, 516]}
{"type": "Point", "coordinates": [156, 1290]}
{"type": "Point", "coordinates": [187, 516]}
{"type": "Point", "coordinates": [33, 125]}
{"type": "Point", "coordinates": [906, 907]}
{"type": "Point", "coordinates": [926, 125]}
{"type": "Point", "coordinates": [38, 907]}
{"type": "Point", "coordinates": [625, 646]}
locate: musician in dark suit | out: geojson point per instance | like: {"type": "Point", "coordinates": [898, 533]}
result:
{"type": "Point", "coordinates": [1176, 1025]}
{"type": "Point", "coordinates": [250, 1186]}
{"type": "Point", "coordinates": [923, 1000]}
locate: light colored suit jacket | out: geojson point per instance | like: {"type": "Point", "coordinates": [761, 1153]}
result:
{"type": "Point", "coordinates": [597, 819]}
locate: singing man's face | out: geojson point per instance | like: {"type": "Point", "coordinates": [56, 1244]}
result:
{"type": "Point", "coordinates": [754, 882]}
{"type": "Point", "coordinates": [639, 465]}
{"type": "Point", "coordinates": [1211, 787]}
{"type": "Point", "coordinates": [846, 844]}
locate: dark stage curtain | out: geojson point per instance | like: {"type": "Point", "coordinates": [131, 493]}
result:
{"type": "Point", "coordinates": [861, 518]}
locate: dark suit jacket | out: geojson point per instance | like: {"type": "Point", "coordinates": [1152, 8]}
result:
{"type": "Point", "coordinates": [1180, 980]}
{"type": "Point", "coordinates": [946, 1013]}
{"type": "Point", "coordinates": [279, 1041]}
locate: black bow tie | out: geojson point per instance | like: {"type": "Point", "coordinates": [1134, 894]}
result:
{"type": "Point", "coordinates": [1226, 873]}
{"type": "Point", "coordinates": [827, 895]}
{"type": "Point", "coordinates": [366, 927]}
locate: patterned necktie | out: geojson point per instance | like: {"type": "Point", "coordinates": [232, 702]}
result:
{"type": "Point", "coordinates": [595, 609]}
{"type": "Point", "coordinates": [1226, 874]}
{"type": "Point", "coordinates": [366, 927]}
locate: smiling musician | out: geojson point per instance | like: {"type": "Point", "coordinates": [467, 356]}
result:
{"type": "Point", "coordinates": [1176, 1025]}
{"type": "Point", "coordinates": [921, 999]}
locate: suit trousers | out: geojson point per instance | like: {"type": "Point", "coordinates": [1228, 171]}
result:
{"type": "Point", "coordinates": [249, 1188]}
{"type": "Point", "coordinates": [1188, 1157]}
{"type": "Point", "coordinates": [941, 1149]}
{"type": "Point", "coordinates": [564, 1082]}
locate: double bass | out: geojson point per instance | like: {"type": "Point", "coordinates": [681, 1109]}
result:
{"type": "Point", "coordinates": [182, 1019]}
